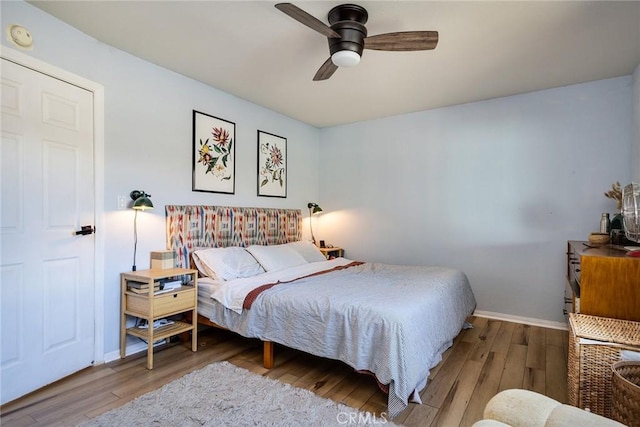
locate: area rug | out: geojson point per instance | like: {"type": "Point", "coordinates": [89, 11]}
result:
{"type": "Point", "coordinates": [222, 394]}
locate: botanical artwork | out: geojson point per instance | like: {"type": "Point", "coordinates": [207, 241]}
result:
{"type": "Point", "coordinates": [272, 165]}
{"type": "Point", "coordinates": [213, 154]}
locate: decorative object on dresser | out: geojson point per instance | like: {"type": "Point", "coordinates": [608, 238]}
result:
{"type": "Point", "coordinates": [221, 394]}
{"type": "Point", "coordinates": [595, 343]}
{"type": "Point", "coordinates": [154, 303]}
{"type": "Point", "coordinates": [605, 223]}
{"type": "Point", "coordinates": [631, 214]}
{"type": "Point", "coordinates": [141, 202]}
{"type": "Point", "coordinates": [616, 194]}
{"type": "Point", "coordinates": [214, 165]}
{"type": "Point", "coordinates": [272, 165]}
{"type": "Point", "coordinates": [602, 281]}
{"type": "Point", "coordinates": [314, 209]}
{"type": "Point", "coordinates": [599, 238]}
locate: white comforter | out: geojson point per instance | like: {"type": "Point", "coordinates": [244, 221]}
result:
{"type": "Point", "coordinates": [394, 321]}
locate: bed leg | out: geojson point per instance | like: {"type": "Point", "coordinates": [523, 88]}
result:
{"type": "Point", "coordinates": [267, 355]}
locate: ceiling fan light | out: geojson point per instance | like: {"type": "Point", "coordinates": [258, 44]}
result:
{"type": "Point", "coordinates": [345, 58]}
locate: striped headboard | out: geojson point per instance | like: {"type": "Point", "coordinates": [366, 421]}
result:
{"type": "Point", "coordinates": [192, 226]}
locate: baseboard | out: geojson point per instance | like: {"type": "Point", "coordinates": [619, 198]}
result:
{"type": "Point", "coordinates": [520, 319]}
{"type": "Point", "coordinates": [131, 349]}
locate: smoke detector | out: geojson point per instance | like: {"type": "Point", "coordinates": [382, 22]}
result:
{"type": "Point", "coordinates": [20, 36]}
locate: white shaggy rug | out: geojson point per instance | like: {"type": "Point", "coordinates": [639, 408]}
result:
{"type": "Point", "coordinates": [222, 394]}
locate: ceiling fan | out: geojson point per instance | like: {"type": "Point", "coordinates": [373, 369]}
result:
{"type": "Point", "coordinates": [347, 36]}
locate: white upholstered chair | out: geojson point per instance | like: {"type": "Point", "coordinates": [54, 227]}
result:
{"type": "Point", "coordinates": [524, 408]}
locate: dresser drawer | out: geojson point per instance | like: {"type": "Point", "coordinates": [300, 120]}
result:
{"type": "Point", "coordinates": [163, 305]}
{"type": "Point", "coordinates": [605, 282]}
{"type": "Point", "coordinates": [573, 266]}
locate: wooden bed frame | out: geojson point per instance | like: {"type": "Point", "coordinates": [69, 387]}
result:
{"type": "Point", "coordinates": [194, 226]}
{"type": "Point", "coordinates": [267, 346]}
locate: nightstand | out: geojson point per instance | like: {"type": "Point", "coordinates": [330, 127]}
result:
{"type": "Point", "coordinates": [334, 252]}
{"type": "Point", "coordinates": [138, 299]}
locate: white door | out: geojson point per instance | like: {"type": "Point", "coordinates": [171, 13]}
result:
{"type": "Point", "coordinates": [47, 271]}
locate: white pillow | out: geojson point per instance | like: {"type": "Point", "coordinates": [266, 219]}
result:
{"type": "Point", "coordinates": [202, 269]}
{"type": "Point", "coordinates": [308, 250]}
{"type": "Point", "coordinates": [276, 257]}
{"type": "Point", "coordinates": [226, 263]}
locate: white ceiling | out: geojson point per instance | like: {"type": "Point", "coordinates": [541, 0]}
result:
{"type": "Point", "coordinates": [486, 50]}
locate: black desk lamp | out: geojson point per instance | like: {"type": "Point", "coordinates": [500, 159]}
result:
{"type": "Point", "coordinates": [141, 202]}
{"type": "Point", "coordinates": [313, 210]}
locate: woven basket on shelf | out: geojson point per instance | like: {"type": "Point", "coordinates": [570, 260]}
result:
{"type": "Point", "coordinates": [625, 393]}
{"type": "Point", "coordinates": [595, 343]}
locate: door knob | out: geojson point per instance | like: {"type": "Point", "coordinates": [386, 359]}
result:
{"type": "Point", "coordinates": [86, 229]}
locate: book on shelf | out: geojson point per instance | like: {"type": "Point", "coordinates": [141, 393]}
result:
{"type": "Point", "coordinates": [170, 283]}
{"type": "Point", "coordinates": [143, 290]}
{"type": "Point", "coordinates": [160, 282]}
{"type": "Point", "coordinates": [137, 285]}
{"type": "Point", "coordinates": [166, 284]}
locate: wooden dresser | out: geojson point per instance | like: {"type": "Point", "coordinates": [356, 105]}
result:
{"type": "Point", "coordinates": [603, 281]}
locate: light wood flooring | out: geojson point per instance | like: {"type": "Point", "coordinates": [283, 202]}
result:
{"type": "Point", "coordinates": [493, 356]}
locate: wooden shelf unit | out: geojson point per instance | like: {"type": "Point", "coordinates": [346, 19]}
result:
{"type": "Point", "coordinates": [152, 306]}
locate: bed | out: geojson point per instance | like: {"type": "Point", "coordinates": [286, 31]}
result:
{"type": "Point", "coordinates": [393, 322]}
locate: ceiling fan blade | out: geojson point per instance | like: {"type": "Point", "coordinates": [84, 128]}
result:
{"type": "Point", "coordinates": [403, 41]}
{"type": "Point", "coordinates": [325, 71]}
{"type": "Point", "coordinates": [304, 18]}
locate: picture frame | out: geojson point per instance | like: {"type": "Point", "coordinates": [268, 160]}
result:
{"type": "Point", "coordinates": [272, 165]}
{"type": "Point", "coordinates": [214, 154]}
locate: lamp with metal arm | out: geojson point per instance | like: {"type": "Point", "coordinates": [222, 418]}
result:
{"type": "Point", "coordinates": [313, 210]}
{"type": "Point", "coordinates": [141, 202]}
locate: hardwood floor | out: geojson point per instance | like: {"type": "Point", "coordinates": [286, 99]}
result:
{"type": "Point", "coordinates": [492, 356]}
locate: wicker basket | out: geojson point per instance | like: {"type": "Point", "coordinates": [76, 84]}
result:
{"type": "Point", "coordinates": [625, 393]}
{"type": "Point", "coordinates": [595, 343]}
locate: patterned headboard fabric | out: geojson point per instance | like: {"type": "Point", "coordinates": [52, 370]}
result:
{"type": "Point", "coordinates": [191, 226]}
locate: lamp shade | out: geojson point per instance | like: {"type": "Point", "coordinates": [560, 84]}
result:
{"type": "Point", "coordinates": [141, 200]}
{"type": "Point", "coordinates": [314, 208]}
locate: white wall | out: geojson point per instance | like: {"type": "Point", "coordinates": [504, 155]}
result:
{"type": "Point", "coordinates": [148, 142]}
{"type": "Point", "coordinates": [494, 188]}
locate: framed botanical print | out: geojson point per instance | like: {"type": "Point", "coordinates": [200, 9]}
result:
{"type": "Point", "coordinates": [214, 163]}
{"type": "Point", "coordinates": [272, 165]}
